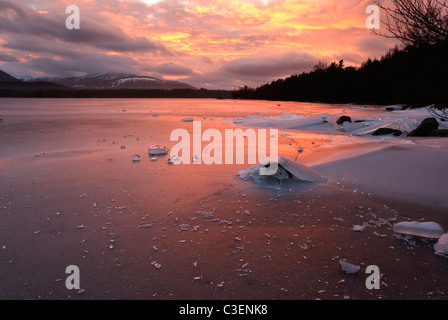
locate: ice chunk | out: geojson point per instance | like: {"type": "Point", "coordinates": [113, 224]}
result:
{"type": "Point", "coordinates": [156, 150]}
{"type": "Point", "coordinates": [287, 169]}
{"type": "Point", "coordinates": [156, 265]}
{"type": "Point", "coordinates": [173, 160]}
{"type": "Point", "coordinates": [441, 247]}
{"type": "Point", "coordinates": [299, 171]}
{"type": "Point", "coordinates": [348, 267]}
{"type": "Point", "coordinates": [420, 229]}
{"type": "Point", "coordinates": [358, 228]}
{"type": "Point", "coordinates": [326, 117]}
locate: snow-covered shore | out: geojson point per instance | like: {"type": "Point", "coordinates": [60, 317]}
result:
{"type": "Point", "coordinates": [413, 169]}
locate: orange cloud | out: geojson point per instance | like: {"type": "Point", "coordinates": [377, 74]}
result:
{"type": "Point", "coordinates": [199, 35]}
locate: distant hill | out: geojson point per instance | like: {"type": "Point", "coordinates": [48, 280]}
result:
{"type": "Point", "coordinates": [8, 82]}
{"type": "Point", "coordinates": [4, 77]}
{"type": "Point", "coordinates": [113, 81]}
{"type": "Point", "coordinates": [102, 85]}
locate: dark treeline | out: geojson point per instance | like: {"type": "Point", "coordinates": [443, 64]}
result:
{"type": "Point", "coordinates": [414, 76]}
{"type": "Point", "coordinates": [113, 93]}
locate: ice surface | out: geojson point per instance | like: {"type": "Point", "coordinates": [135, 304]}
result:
{"type": "Point", "coordinates": [420, 229]}
{"type": "Point", "coordinates": [400, 169]}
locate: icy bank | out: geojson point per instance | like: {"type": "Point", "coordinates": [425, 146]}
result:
{"type": "Point", "coordinates": [409, 172]}
{"type": "Point", "coordinates": [359, 124]}
{"type": "Point", "coordinates": [400, 168]}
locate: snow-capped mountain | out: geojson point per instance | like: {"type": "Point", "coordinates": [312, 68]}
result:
{"type": "Point", "coordinates": [10, 82]}
{"type": "Point", "coordinates": [4, 77]}
{"type": "Point", "coordinates": [114, 81]}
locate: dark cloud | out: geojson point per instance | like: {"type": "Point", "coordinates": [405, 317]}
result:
{"type": "Point", "coordinates": [173, 69]}
{"type": "Point", "coordinates": [92, 63]}
{"type": "Point", "coordinates": [4, 57]}
{"type": "Point", "coordinates": [95, 30]}
{"type": "Point", "coordinates": [14, 7]}
{"type": "Point", "coordinates": [25, 42]}
{"type": "Point", "coordinates": [253, 71]}
{"type": "Point", "coordinates": [271, 66]}
{"type": "Point", "coordinates": [227, 46]}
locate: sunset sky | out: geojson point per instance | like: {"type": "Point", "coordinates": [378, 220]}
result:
{"type": "Point", "coordinates": [212, 44]}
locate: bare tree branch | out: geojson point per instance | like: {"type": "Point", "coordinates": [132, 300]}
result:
{"type": "Point", "coordinates": [416, 23]}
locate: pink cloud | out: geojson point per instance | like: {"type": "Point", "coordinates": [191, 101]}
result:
{"type": "Point", "coordinates": [221, 43]}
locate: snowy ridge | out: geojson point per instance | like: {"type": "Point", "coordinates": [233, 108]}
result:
{"type": "Point", "coordinates": [113, 81]}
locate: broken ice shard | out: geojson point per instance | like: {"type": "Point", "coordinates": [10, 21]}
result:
{"type": "Point", "coordinates": [173, 160]}
{"type": "Point", "coordinates": [441, 247]}
{"type": "Point", "coordinates": [348, 267]}
{"type": "Point", "coordinates": [156, 150]}
{"type": "Point", "coordinates": [358, 228]}
{"type": "Point", "coordinates": [287, 169]}
{"type": "Point", "coordinates": [429, 229]}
